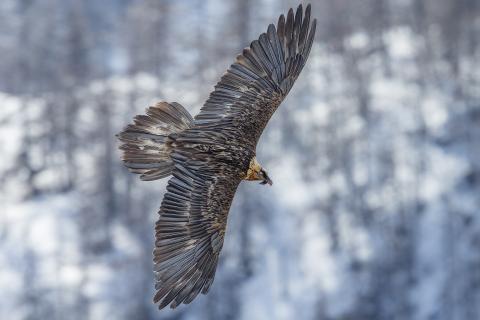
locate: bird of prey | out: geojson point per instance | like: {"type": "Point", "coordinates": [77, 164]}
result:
{"type": "Point", "coordinates": [209, 155]}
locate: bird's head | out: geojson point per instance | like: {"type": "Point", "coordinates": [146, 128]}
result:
{"type": "Point", "coordinates": [257, 173]}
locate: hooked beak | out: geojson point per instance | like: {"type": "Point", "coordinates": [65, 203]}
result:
{"type": "Point", "coordinates": [266, 178]}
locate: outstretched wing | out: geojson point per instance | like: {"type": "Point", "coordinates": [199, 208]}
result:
{"type": "Point", "coordinates": [193, 215]}
{"type": "Point", "coordinates": [191, 227]}
{"type": "Point", "coordinates": [255, 85]}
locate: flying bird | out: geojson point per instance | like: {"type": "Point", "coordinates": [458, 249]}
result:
{"type": "Point", "coordinates": [209, 155]}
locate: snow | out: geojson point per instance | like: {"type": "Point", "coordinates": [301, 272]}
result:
{"type": "Point", "coordinates": [10, 128]}
{"type": "Point", "coordinates": [358, 41]}
{"type": "Point", "coordinates": [401, 43]}
{"type": "Point", "coordinates": [369, 207]}
{"type": "Point", "coordinates": [435, 112]}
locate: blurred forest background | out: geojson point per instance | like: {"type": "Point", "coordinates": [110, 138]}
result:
{"type": "Point", "coordinates": [375, 155]}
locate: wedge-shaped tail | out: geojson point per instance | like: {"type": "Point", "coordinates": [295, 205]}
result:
{"type": "Point", "coordinates": [146, 145]}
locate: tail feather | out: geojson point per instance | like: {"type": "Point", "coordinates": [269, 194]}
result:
{"type": "Point", "coordinates": [146, 146]}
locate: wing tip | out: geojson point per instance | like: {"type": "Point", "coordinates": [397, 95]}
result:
{"type": "Point", "coordinates": [308, 8]}
{"type": "Point", "coordinates": [299, 12]}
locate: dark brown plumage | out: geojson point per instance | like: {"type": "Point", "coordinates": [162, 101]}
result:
{"type": "Point", "coordinates": [210, 155]}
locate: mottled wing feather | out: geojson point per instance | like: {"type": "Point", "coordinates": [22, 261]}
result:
{"type": "Point", "coordinates": [260, 78]}
{"type": "Point", "coordinates": [191, 227]}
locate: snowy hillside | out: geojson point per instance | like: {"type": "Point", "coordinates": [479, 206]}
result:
{"type": "Point", "coordinates": [375, 158]}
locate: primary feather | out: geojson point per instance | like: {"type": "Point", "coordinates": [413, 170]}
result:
{"type": "Point", "coordinates": [209, 155]}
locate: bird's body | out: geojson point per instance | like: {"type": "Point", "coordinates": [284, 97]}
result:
{"type": "Point", "coordinates": [209, 155]}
